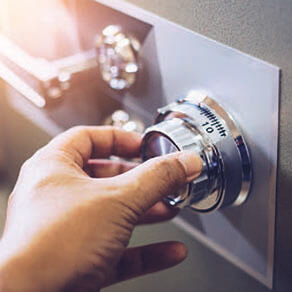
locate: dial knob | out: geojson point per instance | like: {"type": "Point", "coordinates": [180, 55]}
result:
{"type": "Point", "coordinates": [200, 124]}
{"type": "Point", "coordinates": [117, 54]}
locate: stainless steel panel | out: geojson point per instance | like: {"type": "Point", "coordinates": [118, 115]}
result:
{"type": "Point", "coordinates": [179, 61]}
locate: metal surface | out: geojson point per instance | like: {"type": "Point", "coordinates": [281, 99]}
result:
{"type": "Point", "coordinates": [22, 87]}
{"type": "Point", "coordinates": [123, 120]}
{"type": "Point", "coordinates": [245, 86]}
{"type": "Point", "coordinates": [38, 80]}
{"type": "Point", "coordinates": [199, 124]}
{"type": "Point", "coordinates": [117, 54]}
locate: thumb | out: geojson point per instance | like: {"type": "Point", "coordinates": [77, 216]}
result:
{"type": "Point", "coordinates": [161, 176]}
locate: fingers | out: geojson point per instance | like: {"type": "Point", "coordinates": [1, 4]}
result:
{"type": "Point", "coordinates": [147, 259]}
{"type": "Point", "coordinates": [102, 168]}
{"type": "Point", "coordinates": [158, 213]}
{"type": "Point", "coordinates": [159, 177]}
{"type": "Point", "coordinates": [83, 143]}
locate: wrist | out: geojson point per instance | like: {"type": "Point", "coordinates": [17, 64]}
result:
{"type": "Point", "coordinates": [15, 272]}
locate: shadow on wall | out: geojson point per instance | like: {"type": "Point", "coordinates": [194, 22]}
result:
{"type": "Point", "coordinates": [283, 243]}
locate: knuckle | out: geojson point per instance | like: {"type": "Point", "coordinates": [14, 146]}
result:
{"type": "Point", "coordinates": [129, 190]}
{"type": "Point", "coordinates": [26, 165]}
{"type": "Point", "coordinates": [78, 130]}
{"type": "Point", "coordinates": [128, 185]}
{"type": "Point", "coordinates": [170, 170]}
{"type": "Point", "coordinates": [11, 200]}
{"type": "Point", "coordinates": [169, 174]}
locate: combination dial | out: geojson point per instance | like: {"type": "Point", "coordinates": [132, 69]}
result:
{"type": "Point", "coordinates": [200, 124]}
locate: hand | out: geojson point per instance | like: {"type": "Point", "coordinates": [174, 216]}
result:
{"type": "Point", "coordinates": [72, 213]}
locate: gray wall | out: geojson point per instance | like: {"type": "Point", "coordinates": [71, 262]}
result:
{"type": "Point", "coordinates": [262, 28]}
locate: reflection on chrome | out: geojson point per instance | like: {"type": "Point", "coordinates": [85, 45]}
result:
{"type": "Point", "coordinates": [117, 55]}
{"type": "Point", "coordinates": [199, 124]}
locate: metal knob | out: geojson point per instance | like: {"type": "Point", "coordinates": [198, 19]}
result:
{"type": "Point", "coordinates": [123, 120]}
{"type": "Point", "coordinates": [117, 54]}
{"type": "Point", "coordinates": [198, 123]}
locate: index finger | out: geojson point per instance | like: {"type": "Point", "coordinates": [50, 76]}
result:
{"type": "Point", "coordinates": [85, 142]}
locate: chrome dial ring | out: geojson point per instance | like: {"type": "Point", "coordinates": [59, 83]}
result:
{"type": "Point", "coordinates": [204, 127]}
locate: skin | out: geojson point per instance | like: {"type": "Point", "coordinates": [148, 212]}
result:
{"type": "Point", "coordinates": [72, 212]}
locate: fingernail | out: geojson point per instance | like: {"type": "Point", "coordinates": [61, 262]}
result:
{"type": "Point", "coordinates": [192, 164]}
